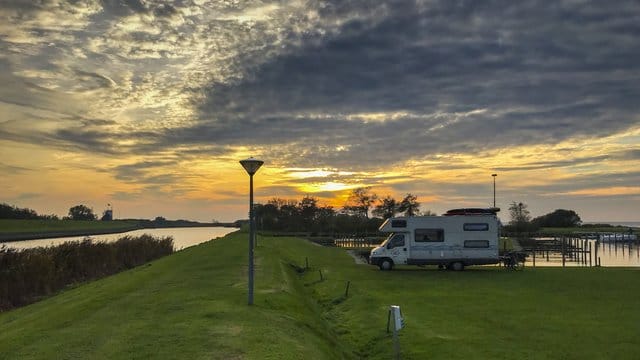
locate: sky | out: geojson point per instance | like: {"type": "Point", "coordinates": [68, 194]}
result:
{"type": "Point", "coordinates": [149, 105]}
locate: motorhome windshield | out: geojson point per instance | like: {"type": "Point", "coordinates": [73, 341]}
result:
{"type": "Point", "coordinates": [386, 241]}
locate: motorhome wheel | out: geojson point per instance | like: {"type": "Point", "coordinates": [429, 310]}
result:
{"type": "Point", "coordinates": [386, 264]}
{"type": "Point", "coordinates": [457, 266]}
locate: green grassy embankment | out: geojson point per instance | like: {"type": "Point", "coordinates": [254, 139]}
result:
{"type": "Point", "coordinates": [193, 305]}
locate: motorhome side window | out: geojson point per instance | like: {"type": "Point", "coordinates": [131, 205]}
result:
{"type": "Point", "coordinates": [476, 227]}
{"type": "Point", "coordinates": [429, 235]}
{"type": "Point", "coordinates": [396, 241]}
{"type": "Point", "coordinates": [476, 243]}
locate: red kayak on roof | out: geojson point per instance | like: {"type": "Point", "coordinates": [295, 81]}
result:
{"type": "Point", "coordinates": [472, 211]}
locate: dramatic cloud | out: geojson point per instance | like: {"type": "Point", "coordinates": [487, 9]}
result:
{"type": "Point", "coordinates": [406, 95]}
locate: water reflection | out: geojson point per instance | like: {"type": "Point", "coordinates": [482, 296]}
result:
{"type": "Point", "coordinates": [608, 254]}
{"type": "Point", "coordinates": [182, 237]}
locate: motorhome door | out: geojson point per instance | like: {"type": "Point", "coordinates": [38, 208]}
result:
{"type": "Point", "coordinates": [397, 248]}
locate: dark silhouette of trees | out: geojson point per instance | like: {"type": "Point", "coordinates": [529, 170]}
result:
{"type": "Point", "coordinates": [520, 218]}
{"type": "Point", "coordinates": [386, 208]}
{"type": "Point", "coordinates": [13, 212]}
{"type": "Point", "coordinates": [307, 215]}
{"type": "Point", "coordinates": [409, 205]}
{"type": "Point", "coordinates": [81, 212]}
{"type": "Point", "coordinates": [558, 218]}
{"type": "Point", "coordinates": [360, 201]}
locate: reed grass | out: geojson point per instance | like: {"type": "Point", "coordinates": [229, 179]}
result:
{"type": "Point", "coordinates": [30, 274]}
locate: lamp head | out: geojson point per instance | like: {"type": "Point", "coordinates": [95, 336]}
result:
{"type": "Point", "coordinates": [251, 165]}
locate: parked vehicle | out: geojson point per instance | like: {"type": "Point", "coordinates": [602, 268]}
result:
{"type": "Point", "coordinates": [461, 238]}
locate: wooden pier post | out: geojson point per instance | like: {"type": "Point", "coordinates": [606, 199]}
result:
{"type": "Point", "coordinates": [590, 255]}
{"type": "Point", "coordinates": [534, 255]}
{"type": "Point", "coordinates": [563, 251]}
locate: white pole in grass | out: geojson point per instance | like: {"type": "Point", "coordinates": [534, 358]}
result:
{"type": "Point", "coordinates": [398, 323]}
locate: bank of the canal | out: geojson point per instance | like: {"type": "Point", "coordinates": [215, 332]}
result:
{"type": "Point", "coordinates": [193, 305]}
{"type": "Point", "coordinates": [20, 230]}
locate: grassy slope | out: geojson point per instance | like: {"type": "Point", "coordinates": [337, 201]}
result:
{"type": "Point", "coordinates": [33, 226]}
{"type": "Point", "coordinates": [193, 305]}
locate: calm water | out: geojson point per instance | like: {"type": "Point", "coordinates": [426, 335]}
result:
{"type": "Point", "coordinates": [611, 255]}
{"type": "Point", "coordinates": [182, 237]}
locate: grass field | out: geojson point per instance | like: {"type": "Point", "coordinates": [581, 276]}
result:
{"type": "Point", "coordinates": [35, 226]}
{"type": "Point", "coordinates": [192, 305]}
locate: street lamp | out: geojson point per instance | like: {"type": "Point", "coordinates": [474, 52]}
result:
{"type": "Point", "coordinates": [494, 189]}
{"type": "Point", "coordinates": [251, 165]}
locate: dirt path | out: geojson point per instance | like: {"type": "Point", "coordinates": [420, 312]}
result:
{"type": "Point", "coordinates": [359, 259]}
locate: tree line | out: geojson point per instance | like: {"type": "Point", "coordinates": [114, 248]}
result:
{"type": "Point", "coordinates": [77, 212]}
{"type": "Point", "coordinates": [13, 212]}
{"type": "Point", "coordinates": [363, 212]}
{"type": "Point", "coordinates": [521, 220]}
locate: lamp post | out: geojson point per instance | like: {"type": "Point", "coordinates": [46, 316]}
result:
{"type": "Point", "coordinates": [251, 165]}
{"type": "Point", "coordinates": [494, 189]}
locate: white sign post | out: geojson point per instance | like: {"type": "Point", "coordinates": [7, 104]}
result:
{"type": "Point", "coordinates": [398, 323]}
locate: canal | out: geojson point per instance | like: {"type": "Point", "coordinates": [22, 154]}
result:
{"type": "Point", "coordinates": [182, 237]}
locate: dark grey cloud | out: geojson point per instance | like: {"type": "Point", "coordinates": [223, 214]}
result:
{"type": "Point", "coordinates": [543, 71]}
{"type": "Point", "coordinates": [628, 155]}
{"type": "Point", "coordinates": [557, 164]}
{"type": "Point", "coordinates": [13, 169]}
{"type": "Point", "coordinates": [28, 196]}
{"type": "Point", "coordinates": [137, 172]}
{"type": "Point", "coordinates": [611, 179]}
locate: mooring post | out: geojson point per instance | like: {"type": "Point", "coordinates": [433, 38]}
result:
{"type": "Point", "coordinates": [590, 255]}
{"type": "Point", "coordinates": [563, 251]}
{"type": "Point", "coordinates": [587, 247]}
{"type": "Point", "coordinates": [534, 255]}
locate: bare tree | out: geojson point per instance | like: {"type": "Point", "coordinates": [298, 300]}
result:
{"type": "Point", "coordinates": [360, 200]}
{"type": "Point", "coordinates": [387, 208]}
{"type": "Point", "coordinates": [409, 205]}
{"type": "Point", "coordinates": [520, 217]}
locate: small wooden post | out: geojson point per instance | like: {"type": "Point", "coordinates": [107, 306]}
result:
{"type": "Point", "coordinates": [346, 292]}
{"type": "Point", "coordinates": [590, 255]}
{"type": "Point", "coordinates": [306, 263]}
{"type": "Point", "coordinates": [320, 271]}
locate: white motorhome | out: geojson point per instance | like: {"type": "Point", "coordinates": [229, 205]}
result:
{"type": "Point", "coordinates": [460, 238]}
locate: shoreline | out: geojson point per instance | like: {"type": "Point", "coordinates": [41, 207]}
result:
{"type": "Point", "coordinates": [38, 235]}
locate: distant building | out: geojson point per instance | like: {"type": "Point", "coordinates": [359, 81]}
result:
{"type": "Point", "coordinates": [107, 215]}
